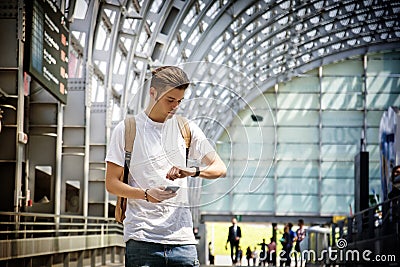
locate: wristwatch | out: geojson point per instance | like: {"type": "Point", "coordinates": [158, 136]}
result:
{"type": "Point", "coordinates": [197, 171]}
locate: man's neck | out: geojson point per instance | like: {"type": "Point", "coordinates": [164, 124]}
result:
{"type": "Point", "coordinates": [153, 116]}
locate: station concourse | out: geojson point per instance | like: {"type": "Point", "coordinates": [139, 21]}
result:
{"type": "Point", "coordinates": [300, 99]}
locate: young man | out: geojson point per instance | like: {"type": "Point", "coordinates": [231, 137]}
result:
{"type": "Point", "coordinates": [158, 228]}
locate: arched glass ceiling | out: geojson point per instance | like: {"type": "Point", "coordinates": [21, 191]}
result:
{"type": "Point", "coordinates": [234, 51]}
{"type": "Point", "coordinates": [267, 42]}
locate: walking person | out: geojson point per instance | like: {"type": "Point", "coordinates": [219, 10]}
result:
{"type": "Point", "coordinates": [239, 256]}
{"type": "Point", "coordinates": [289, 246]}
{"type": "Point", "coordinates": [285, 243]}
{"type": "Point", "coordinates": [271, 254]}
{"type": "Point", "coordinates": [234, 236]}
{"type": "Point", "coordinates": [158, 228]}
{"type": "Point", "coordinates": [301, 234]}
{"type": "Point", "coordinates": [263, 253]}
{"type": "Point", "coordinates": [211, 256]}
{"type": "Point", "coordinates": [254, 255]}
{"type": "Point", "coordinates": [248, 255]}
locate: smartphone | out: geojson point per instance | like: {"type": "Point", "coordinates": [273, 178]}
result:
{"type": "Point", "coordinates": [172, 188]}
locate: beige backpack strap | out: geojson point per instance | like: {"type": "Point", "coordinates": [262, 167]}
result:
{"type": "Point", "coordinates": [185, 129]}
{"type": "Point", "coordinates": [130, 133]}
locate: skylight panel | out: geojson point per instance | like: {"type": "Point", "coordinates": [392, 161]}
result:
{"type": "Point", "coordinates": [213, 11]}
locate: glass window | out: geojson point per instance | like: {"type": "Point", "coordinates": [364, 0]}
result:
{"type": "Point", "coordinates": [297, 169]}
{"type": "Point", "coordinates": [334, 169]}
{"type": "Point", "coordinates": [215, 202]}
{"type": "Point", "coordinates": [331, 204]}
{"type": "Point", "coordinates": [297, 118]}
{"type": "Point", "coordinates": [296, 204]}
{"type": "Point", "coordinates": [319, 123]}
{"type": "Point", "coordinates": [337, 135]}
{"type": "Point", "coordinates": [342, 118]}
{"type": "Point", "coordinates": [253, 202]}
{"type": "Point", "coordinates": [342, 101]}
{"type": "Point", "coordinates": [80, 9]}
{"type": "Point", "coordinates": [345, 68]}
{"type": "Point", "coordinates": [157, 6]}
{"type": "Point", "coordinates": [297, 152]}
{"type": "Point", "coordinates": [250, 185]}
{"type": "Point", "coordinates": [298, 134]}
{"type": "Point", "coordinates": [298, 101]}
{"type": "Point", "coordinates": [342, 85]}
{"type": "Point", "coordinates": [308, 186]}
{"type": "Point", "coordinates": [339, 152]}
{"type": "Point", "coordinates": [334, 186]}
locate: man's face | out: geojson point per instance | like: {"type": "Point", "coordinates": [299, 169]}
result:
{"type": "Point", "coordinates": [167, 102]}
{"type": "Point", "coordinates": [234, 221]}
{"type": "Point", "coordinates": [396, 172]}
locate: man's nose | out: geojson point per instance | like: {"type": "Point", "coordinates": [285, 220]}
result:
{"type": "Point", "coordinates": [175, 104]}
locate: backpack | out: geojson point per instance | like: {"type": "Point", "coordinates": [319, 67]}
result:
{"type": "Point", "coordinates": [130, 134]}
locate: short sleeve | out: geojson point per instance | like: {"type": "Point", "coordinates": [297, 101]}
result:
{"type": "Point", "coordinates": [116, 152]}
{"type": "Point", "coordinates": [199, 145]}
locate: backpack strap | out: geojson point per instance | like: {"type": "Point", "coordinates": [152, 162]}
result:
{"type": "Point", "coordinates": [183, 124]}
{"type": "Point", "coordinates": [130, 134]}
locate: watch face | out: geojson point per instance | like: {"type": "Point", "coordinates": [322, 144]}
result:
{"type": "Point", "coordinates": [197, 171]}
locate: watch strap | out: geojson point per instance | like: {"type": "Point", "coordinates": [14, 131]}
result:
{"type": "Point", "coordinates": [197, 171]}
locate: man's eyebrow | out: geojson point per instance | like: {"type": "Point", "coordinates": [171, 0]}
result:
{"type": "Point", "coordinates": [173, 98]}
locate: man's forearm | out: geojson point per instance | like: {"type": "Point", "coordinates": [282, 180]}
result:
{"type": "Point", "coordinates": [116, 187]}
{"type": "Point", "coordinates": [215, 167]}
{"type": "Point", "coordinates": [119, 188]}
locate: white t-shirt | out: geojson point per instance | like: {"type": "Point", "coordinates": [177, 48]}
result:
{"type": "Point", "coordinates": [158, 147]}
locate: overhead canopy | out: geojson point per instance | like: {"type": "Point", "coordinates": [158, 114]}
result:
{"type": "Point", "coordinates": [234, 50]}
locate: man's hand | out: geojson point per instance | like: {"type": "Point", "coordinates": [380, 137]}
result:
{"type": "Point", "coordinates": [158, 194]}
{"type": "Point", "coordinates": [176, 173]}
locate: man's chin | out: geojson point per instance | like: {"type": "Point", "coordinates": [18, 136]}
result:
{"type": "Point", "coordinates": [170, 115]}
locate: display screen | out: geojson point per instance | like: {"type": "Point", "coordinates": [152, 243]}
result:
{"type": "Point", "coordinates": [47, 37]}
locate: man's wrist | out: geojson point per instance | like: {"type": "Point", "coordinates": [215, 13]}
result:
{"type": "Point", "coordinates": [146, 196]}
{"type": "Point", "coordinates": [197, 171]}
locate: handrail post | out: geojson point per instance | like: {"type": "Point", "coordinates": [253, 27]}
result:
{"type": "Point", "coordinates": [371, 222]}
{"type": "Point", "coordinates": [350, 229]}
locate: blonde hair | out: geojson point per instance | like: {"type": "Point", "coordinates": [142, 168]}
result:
{"type": "Point", "coordinates": [171, 76]}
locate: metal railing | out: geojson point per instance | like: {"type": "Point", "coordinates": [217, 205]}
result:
{"type": "Point", "coordinates": [376, 230]}
{"type": "Point", "coordinates": [31, 225]}
{"type": "Point", "coordinates": [27, 235]}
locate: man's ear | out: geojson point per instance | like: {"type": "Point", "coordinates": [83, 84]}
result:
{"type": "Point", "coordinates": [153, 93]}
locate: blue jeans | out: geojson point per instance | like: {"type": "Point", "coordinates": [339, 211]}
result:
{"type": "Point", "coordinates": [141, 254]}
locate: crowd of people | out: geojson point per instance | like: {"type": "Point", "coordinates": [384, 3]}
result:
{"type": "Point", "coordinates": [266, 255]}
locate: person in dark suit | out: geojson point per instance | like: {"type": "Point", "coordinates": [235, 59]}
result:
{"type": "Point", "coordinates": [234, 236]}
{"type": "Point", "coordinates": [395, 177]}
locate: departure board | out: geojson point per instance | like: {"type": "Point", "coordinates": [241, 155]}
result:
{"type": "Point", "coordinates": [46, 46]}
